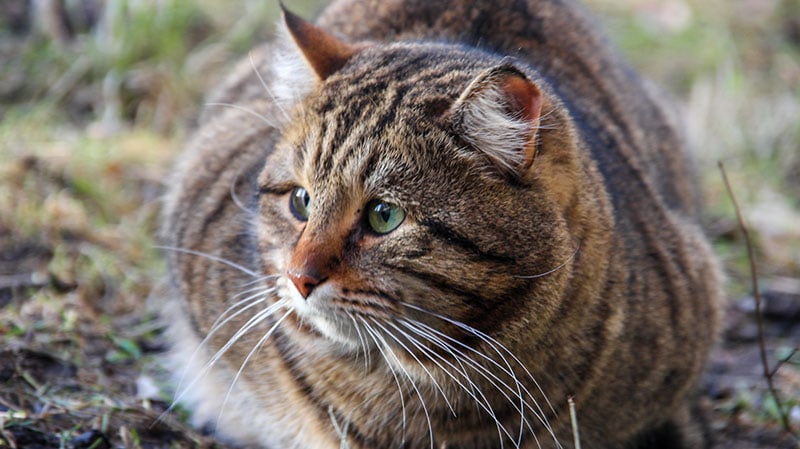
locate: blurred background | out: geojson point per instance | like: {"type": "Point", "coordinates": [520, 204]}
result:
{"type": "Point", "coordinates": [97, 97]}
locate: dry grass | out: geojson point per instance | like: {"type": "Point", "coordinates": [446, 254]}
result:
{"type": "Point", "coordinates": [91, 116]}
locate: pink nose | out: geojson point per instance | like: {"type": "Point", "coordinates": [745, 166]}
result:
{"type": "Point", "coordinates": [305, 282]}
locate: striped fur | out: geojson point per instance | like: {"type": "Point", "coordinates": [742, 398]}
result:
{"type": "Point", "coordinates": [583, 275]}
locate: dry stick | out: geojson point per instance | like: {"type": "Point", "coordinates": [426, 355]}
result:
{"type": "Point", "coordinates": [573, 416]}
{"type": "Point", "coordinates": [784, 360]}
{"type": "Point", "coordinates": [762, 345]}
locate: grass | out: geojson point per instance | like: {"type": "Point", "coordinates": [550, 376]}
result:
{"type": "Point", "coordinates": [735, 70]}
{"type": "Point", "coordinates": [90, 120]}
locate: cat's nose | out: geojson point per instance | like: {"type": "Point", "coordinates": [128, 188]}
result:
{"type": "Point", "coordinates": [315, 257]}
{"type": "Point", "coordinates": [303, 281]}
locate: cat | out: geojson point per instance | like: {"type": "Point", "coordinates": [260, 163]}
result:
{"type": "Point", "coordinates": [437, 224]}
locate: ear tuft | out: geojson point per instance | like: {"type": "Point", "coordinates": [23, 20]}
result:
{"type": "Point", "coordinates": [498, 113]}
{"type": "Point", "coordinates": [324, 53]}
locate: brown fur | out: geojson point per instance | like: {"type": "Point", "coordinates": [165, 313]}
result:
{"type": "Point", "coordinates": [548, 251]}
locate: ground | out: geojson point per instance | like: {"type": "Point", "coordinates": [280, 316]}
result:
{"type": "Point", "coordinates": [96, 99]}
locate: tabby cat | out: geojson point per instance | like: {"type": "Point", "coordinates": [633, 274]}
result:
{"type": "Point", "coordinates": [434, 224]}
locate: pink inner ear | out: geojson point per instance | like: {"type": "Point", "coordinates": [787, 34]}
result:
{"type": "Point", "coordinates": [525, 99]}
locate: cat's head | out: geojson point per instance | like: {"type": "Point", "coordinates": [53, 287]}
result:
{"type": "Point", "coordinates": [416, 186]}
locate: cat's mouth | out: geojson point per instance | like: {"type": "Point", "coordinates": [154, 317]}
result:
{"type": "Point", "coordinates": [332, 315]}
{"type": "Point", "coordinates": [354, 324]}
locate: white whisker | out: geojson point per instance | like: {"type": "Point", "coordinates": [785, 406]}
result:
{"type": "Point", "coordinates": [399, 364]}
{"type": "Point", "coordinates": [371, 333]}
{"type": "Point", "coordinates": [341, 431]}
{"type": "Point", "coordinates": [262, 295]}
{"type": "Point", "coordinates": [262, 288]}
{"type": "Point", "coordinates": [254, 300]}
{"type": "Point", "coordinates": [486, 373]}
{"type": "Point", "coordinates": [210, 257]}
{"type": "Point", "coordinates": [362, 342]}
{"type": "Point", "coordinates": [255, 349]}
{"type": "Point", "coordinates": [499, 349]}
{"type": "Point", "coordinates": [253, 321]}
{"type": "Point", "coordinates": [260, 279]}
{"type": "Point", "coordinates": [419, 362]}
{"type": "Point", "coordinates": [266, 88]}
{"type": "Point", "coordinates": [520, 392]}
{"type": "Point", "coordinates": [238, 202]}
{"type": "Point", "coordinates": [263, 118]}
{"type": "Point", "coordinates": [560, 266]}
{"type": "Point", "coordinates": [544, 118]}
{"type": "Point", "coordinates": [486, 406]}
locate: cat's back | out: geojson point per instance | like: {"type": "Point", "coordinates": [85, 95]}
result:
{"type": "Point", "coordinates": [626, 122]}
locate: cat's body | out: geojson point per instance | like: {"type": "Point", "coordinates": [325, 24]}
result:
{"type": "Point", "coordinates": [464, 213]}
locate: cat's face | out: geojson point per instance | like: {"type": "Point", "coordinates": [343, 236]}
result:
{"type": "Point", "coordinates": [379, 213]}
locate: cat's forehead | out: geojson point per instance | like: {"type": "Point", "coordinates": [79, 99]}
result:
{"type": "Point", "coordinates": [383, 116]}
{"type": "Point", "coordinates": [406, 79]}
{"type": "Point", "coordinates": [367, 158]}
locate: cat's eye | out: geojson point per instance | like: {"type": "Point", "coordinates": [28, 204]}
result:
{"type": "Point", "coordinates": [384, 217]}
{"type": "Point", "coordinates": [299, 202]}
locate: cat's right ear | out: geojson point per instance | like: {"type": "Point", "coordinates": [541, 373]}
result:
{"type": "Point", "coordinates": [324, 52]}
{"type": "Point", "coordinates": [498, 113]}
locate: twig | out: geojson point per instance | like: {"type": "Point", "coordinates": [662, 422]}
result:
{"type": "Point", "coordinates": [762, 345]}
{"type": "Point", "coordinates": [784, 361]}
{"type": "Point", "coordinates": [8, 436]}
{"type": "Point", "coordinates": [573, 417]}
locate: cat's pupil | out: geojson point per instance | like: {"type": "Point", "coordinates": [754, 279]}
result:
{"type": "Point", "coordinates": [299, 202]}
{"type": "Point", "coordinates": [384, 217]}
{"type": "Point", "coordinates": [384, 211]}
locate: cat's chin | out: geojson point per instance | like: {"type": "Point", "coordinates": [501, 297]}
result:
{"type": "Point", "coordinates": [342, 335]}
{"type": "Point", "coordinates": [327, 323]}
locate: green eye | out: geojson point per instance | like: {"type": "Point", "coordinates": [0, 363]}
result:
{"type": "Point", "coordinates": [299, 201]}
{"type": "Point", "coordinates": [384, 217]}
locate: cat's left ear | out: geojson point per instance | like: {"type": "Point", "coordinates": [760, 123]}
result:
{"type": "Point", "coordinates": [498, 113]}
{"type": "Point", "coordinates": [324, 52]}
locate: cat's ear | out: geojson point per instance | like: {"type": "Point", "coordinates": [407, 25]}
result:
{"type": "Point", "coordinates": [498, 113]}
{"type": "Point", "coordinates": [324, 52]}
